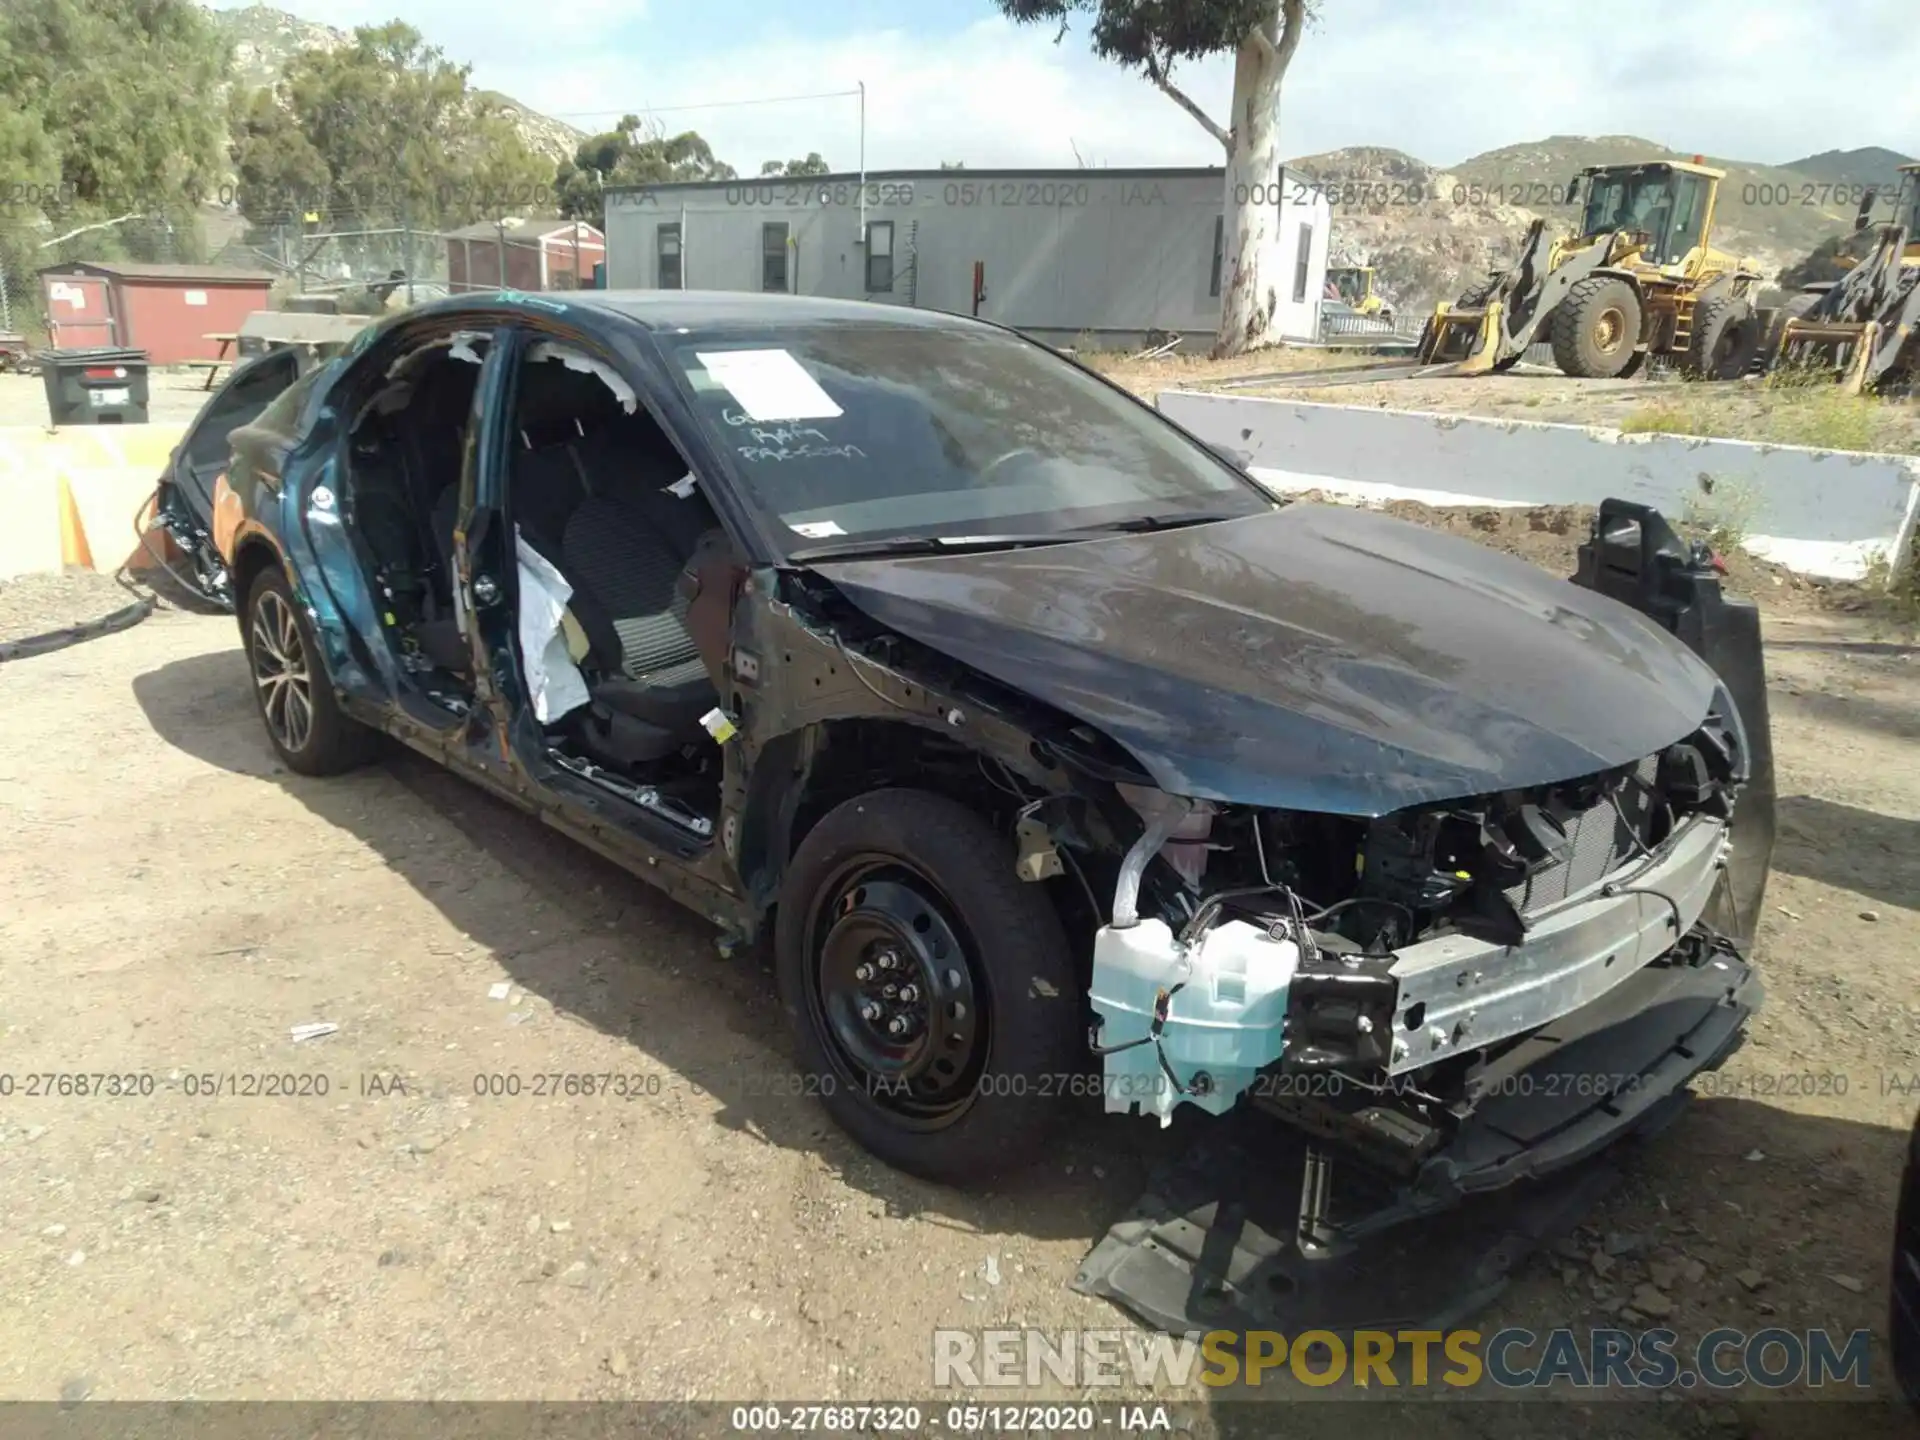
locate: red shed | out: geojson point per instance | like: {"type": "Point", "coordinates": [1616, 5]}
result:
{"type": "Point", "coordinates": [541, 252]}
{"type": "Point", "coordinates": [165, 310]}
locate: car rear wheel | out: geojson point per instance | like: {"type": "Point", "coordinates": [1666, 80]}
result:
{"type": "Point", "coordinates": [931, 992]}
{"type": "Point", "coordinates": [304, 721]}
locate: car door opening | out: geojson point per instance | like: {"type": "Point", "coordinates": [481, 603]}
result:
{"type": "Point", "coordinates": [614, 519]}
{"type": "Point", "coordinates": [406, 450]}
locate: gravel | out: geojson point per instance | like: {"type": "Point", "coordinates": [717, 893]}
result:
{"type": "Point", "coordinates": [34, 604]}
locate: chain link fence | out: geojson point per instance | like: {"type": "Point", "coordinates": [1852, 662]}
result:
{"type": "Point", "coordinates": [364, 264]}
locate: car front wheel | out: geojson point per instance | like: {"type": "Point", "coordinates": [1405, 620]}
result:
{"type": "Point", "coordinates": [309, 730]}
{"type": "Point", "coordinates": [931, 991]}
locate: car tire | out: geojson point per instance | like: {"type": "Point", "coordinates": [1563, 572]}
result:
{"type": "Point", "coordinates": [1597, 328]}
{"type": "Point", "coordinates": [919, 884]}
{"type": "Point", "coordinates": [304, 721]}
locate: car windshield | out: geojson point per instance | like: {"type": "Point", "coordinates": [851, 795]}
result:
{"type": "Point", "coordinates": [888, 430]}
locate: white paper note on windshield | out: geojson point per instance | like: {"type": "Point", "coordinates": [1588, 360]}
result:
{"type": "Point", "coordinates": [769, 384]}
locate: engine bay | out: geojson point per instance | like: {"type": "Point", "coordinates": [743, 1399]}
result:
{"type": "Point", "coordinates": [1359, 975]}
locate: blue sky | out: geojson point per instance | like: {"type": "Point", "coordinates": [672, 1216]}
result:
{"type": "Point", "coordinates": [952, 80]}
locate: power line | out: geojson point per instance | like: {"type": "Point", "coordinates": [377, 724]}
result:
{"type": "Point", "coordinates": [706, 105]}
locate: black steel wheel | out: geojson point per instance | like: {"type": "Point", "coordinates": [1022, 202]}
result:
{"type": "Point", "coordinates": [931, 991]}
{"type": "Point", "coordinates": [304, 721]}
{"type": "Point", "coordinates": [895, 992]}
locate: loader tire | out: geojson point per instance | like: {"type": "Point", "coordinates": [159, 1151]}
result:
{"type": "Point", "coordinates": [1726, 338]}
{"type": "Point", "coordinates": [1795, 307]}
{"type": "Point", "coordinates": [1597, 328]}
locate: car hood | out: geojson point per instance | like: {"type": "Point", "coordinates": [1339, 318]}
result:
{"type": "Point", "coordinates": [1316, 657]}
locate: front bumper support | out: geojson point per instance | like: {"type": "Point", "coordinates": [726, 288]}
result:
{"type": "Point", "coordinates": [1214, 1243]}
{"type": "Point", "coordinates": [1460, 994]}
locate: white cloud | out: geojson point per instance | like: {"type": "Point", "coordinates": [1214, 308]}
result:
{"type": "Point", "coordinates": [1442, 82]}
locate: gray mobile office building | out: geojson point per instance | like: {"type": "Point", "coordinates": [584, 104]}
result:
{"type": "Point", "coordinates": [1101, 257]}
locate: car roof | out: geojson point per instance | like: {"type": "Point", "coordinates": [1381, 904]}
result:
{"type": "Point", "coordinates": [720, 310]}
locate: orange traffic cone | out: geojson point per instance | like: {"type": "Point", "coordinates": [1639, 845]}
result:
{"type": "Point", "coordinates": [73, 535]}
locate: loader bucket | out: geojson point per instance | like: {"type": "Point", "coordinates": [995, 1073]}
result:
{"type": "Point", "coordinates": [1843, 347]}
{"type": "Point", "coordinates": [1866, 329]}
{"type": "Point", "coordinates": [1468, 336]}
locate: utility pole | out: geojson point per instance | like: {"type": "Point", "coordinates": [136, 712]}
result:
{"type": "Point", "coordinates": [500, 227]}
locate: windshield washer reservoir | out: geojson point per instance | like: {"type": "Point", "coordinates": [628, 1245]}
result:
{"type": "Point", "coordinates": [1225, 1021]}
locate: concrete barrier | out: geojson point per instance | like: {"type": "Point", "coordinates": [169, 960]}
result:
{"type": "Point", "coordinates": [1829, 513]}
{"type": "Point", "coordinates": [73, 493]}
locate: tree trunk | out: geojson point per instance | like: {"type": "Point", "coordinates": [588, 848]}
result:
{"type": "Point", "coordinates": [1250, 289]}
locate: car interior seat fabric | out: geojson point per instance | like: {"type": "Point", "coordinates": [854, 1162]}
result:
{"type": "Point", "coordinates": [611, 552]}
{"type": "Point", "coordinates": [630, 461]}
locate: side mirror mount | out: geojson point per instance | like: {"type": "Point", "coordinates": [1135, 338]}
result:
{"type": "Point", "coordinates": [1573, 190]}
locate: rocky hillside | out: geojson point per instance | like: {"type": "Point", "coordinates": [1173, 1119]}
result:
{"type": "Point", "coordinates": [1871, 165]}
{"type": "Point", "coordinates": [1425, 240]}
{"type": "Point", "coordinates": [1431, 232]}
{"type": "Point", "coordinates": [264, 39]}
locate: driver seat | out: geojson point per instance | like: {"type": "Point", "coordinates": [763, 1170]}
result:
{"type": "Point", "coordinates": [648, 697]}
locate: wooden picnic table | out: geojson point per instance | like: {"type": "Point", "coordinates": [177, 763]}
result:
{"type": "Point", "coordinates": [213, 366]}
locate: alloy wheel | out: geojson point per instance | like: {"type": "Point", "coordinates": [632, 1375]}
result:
{"type": "Point", "coordinates": [281, 672]}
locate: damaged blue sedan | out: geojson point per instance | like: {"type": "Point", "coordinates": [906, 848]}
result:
{"type": "Point", "coordinates": [1063, 764]}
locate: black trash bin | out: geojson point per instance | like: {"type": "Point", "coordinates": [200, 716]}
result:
{"type": "Point", "coordinates": [100, 386]}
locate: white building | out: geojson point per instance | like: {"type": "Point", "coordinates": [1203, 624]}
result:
{"type": "Point", "coordinates": [1098, 257]}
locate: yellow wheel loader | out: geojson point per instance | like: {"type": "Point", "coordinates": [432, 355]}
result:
{"type": "Point", "coordinates": [1865, 326]}
{"type": "Point", "coordinates": [1640, 277]}
{"type": "Point", "coordinates": [1353, 284]}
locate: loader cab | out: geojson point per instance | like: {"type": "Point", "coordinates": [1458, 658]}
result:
{"type": "Point", "coordinates": [1671, 205]}
{"type": "Point", "coordinates": [1354, 285]}
{"type": "Point", "coordinates": [1906, 203]}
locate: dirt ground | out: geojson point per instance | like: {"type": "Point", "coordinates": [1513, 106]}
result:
{"type": "Point", "coordinates": [177, 903]}
{"type": "Point", "coordinates": [36, 604]}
